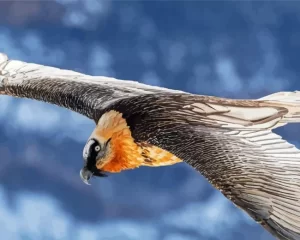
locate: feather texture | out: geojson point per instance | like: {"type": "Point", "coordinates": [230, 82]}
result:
{"type": "Point", "coordinates": [81, 93]}
{"type": "Point", "coordinates": [229, 141]}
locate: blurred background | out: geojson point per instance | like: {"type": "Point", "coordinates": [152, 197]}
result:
{"type": "Point", "coordinates": [237, 49]}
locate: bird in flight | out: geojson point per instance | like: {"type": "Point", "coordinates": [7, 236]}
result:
{"type": "Point", "coordinates": [228, 141]}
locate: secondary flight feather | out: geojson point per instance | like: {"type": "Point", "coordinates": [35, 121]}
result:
{"type": "Point", "coordinates": [229, 141]}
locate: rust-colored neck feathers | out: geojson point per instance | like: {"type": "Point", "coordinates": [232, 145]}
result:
{"type": "Point", "coordinates": [124, 153]}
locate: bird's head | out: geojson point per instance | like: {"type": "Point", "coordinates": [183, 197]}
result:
{"type": "Point", "coordinates": [93, 152]}
{"type": "Point", "coordinates": [110, 148]}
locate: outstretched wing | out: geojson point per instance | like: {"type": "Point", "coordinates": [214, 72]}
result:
{"type": "Point", "coordinates": [229, 141]}
{"type": "Point", "coordinates": [78, 92]}
{"type": "Point", "coordinates": [232, 144]}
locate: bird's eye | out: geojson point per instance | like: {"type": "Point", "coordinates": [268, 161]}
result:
{"type": "Point", "coordinates": [97, 148]}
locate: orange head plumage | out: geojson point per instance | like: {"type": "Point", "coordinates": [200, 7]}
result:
{"type": "Point", "coordinates": [111, 148]}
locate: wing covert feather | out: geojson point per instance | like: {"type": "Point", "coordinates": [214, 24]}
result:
{"type": "Point", "coordinates": [79, 92]}
{"type": "Point", "coordinates": [232, 144]}
{"type": "Point", "coordinates": [229, 141]}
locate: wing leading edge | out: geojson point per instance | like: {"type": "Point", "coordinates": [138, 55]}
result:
{"type": "Point", "coordinates": [229, 141]}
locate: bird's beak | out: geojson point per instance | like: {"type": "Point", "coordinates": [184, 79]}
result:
{"type": "Point", "coordinates": [85, 175]}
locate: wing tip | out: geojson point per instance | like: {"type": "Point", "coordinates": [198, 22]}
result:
{"type": "Point", "coordinates": [279, 231]}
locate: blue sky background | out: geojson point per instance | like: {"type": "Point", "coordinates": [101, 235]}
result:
{"type": "Point", "coordinates": [238, 49]}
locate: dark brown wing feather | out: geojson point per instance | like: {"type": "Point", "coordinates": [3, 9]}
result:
{"type": "Point", "coordinates": [231, 143]}
{"type": "Point", "coordinates": [81, 93]}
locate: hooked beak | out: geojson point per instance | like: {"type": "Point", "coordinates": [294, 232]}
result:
{"type": "Point", "coordinates": [86, 175]}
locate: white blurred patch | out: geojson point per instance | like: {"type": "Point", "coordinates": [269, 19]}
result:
{"type": "Point", "coordinates": [46, 119]}
{"type": "Point", "coordinates": [5, 104]}
{"type": "Point", "coordinates": [85, 14]}
{"type": "Point", "coordinates": [35, 217]}
{"type": "Point", "coordinates": [75, 18]}
{"type": "Point", "coordinates": [206, 217]}
{"type": "Point", "coordinates": [40, 217]}
{"type": "Point", "coordinates": [128, 230]}
{"type": "Point", "coordinates": [267, 76]}
{"type": "Point", "coordinates": [100, 61]}
{"type": "Point", "coordinates": [34, 115]}
{"type": "Point", "coordinates": [178, 236]}
{"type": "Point", "coordinates": [175, 52]}
{"type": "Point", "coordinates": [151, 78]}
{"type": "Point", "coordinates": [9, 46]}
{"type": "Point", "coordinates": [227, 75]}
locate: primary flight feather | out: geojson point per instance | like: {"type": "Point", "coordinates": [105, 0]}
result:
{"type": "Point", "coordinates": [229, 141]}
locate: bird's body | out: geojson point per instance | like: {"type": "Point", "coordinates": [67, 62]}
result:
{"type": "Point", "coordinates": [229, 141]}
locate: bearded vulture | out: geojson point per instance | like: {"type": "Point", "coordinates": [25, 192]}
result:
{"type": "Point", "coordinates": [228, 141]}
